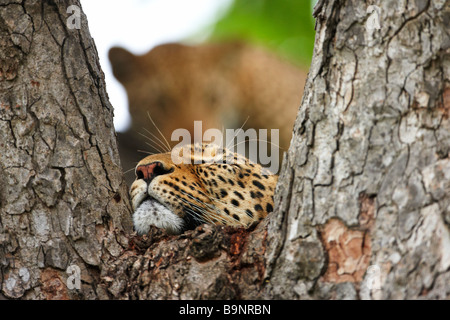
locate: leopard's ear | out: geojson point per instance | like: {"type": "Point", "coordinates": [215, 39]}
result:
{"type": "Point", "coordinates": [124, 64]}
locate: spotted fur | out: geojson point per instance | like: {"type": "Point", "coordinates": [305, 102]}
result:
{"type": "Point", "coordinates": [199, 184]}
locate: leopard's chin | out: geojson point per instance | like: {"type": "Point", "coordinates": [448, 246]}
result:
{"type": "Point", "coordinates": [151, 212]}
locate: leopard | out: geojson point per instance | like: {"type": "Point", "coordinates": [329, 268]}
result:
{"type": "Point", "coordinates": [200, 183]}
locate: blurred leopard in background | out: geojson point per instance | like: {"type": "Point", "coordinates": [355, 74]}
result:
{"type": "Point", "coordinates": [224, 85]}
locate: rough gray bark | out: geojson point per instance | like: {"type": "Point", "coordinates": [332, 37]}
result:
{"type": "Point", "coordinates": [63, 201]}
{"type": "Point", "coordinates": [363, 194]}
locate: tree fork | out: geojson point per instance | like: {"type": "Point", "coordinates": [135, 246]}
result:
{"type": "Point", "coordinates": [362, 206]}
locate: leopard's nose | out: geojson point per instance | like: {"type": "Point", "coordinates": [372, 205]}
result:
{"type": "Point", "coordinates": [149, 171]}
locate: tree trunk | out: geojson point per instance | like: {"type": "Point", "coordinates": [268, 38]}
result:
{"type": "Point", "coordinates": [64, 207]}
{"type": "Point", "coordinates": [363, 200]}
{"type": "Point", "coordinates": [362, 205]}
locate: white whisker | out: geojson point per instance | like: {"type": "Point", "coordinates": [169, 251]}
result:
{"type": "Point", "coordinates": [214, 212]}
{"type": "Point", "coordinates": [204, 216]}
{"type": "Point", "coordinates": [146, 152]}
{"type": "Point", "coordinates": [236, 133]}
{"type": "Point", "coordinates": [157, 146]}
{"type": "Point", "coordinates": [271, 143]}
{"type": "Point", "coordinates": [132, 169]}
{"type": "Point", "coordinates": [154, 147]}
{"type": "Point", "coordinates": [167, 143]}
{"type": "Point", "coordinates": [161, 142]}
{"type": "Point", "coordinates": [217, 213]}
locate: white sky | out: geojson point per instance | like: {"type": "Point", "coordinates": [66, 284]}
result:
{"type": "Point", "coordinates": [138, 26]}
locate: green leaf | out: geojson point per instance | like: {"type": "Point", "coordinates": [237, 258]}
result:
{"type": "Point", "coordinates": [285, 26]}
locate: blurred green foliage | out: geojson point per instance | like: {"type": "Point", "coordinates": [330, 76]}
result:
{"type": "Point", "coordinates": [285, 26]}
